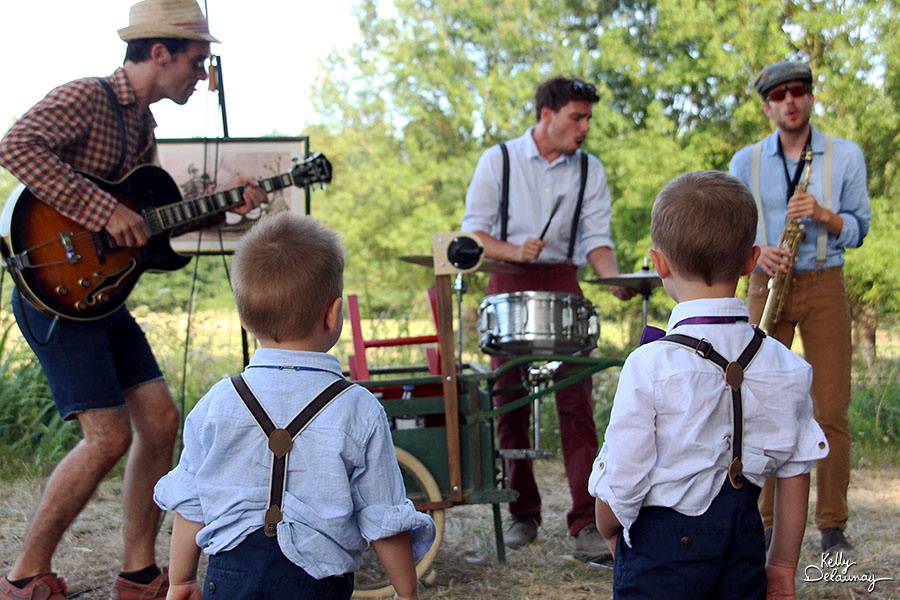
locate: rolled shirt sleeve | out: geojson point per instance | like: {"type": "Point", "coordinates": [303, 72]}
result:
{"type": "Point", "coordinates": [483, 194]}
{"type": "Point", "coordinates": [30, 152]}
{"type": "Point", "coordinates": [620, 472]}
{"type": "Point", "coordinates": [383, 509]}
{"type": "Point", "coordinates": [177, 490]}
{"type": "Point", "coordinates": [855, 209]}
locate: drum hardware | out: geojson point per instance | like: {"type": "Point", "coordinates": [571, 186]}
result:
{"type": "Point", "coordinates": [487, 265]}
{"type": "Point", "coordinates": [459, 286]}
{"type": "Point", "coordinates": [643, 282]}
{"type": "Point", "coordinates": [538, 376]}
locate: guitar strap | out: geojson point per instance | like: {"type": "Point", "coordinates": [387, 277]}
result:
{"type": "Point", "coordinates": [734, 376]}
{"type": "Point", "coordinates": [120, 121]}
{"type": "Point", "coordinates": [282, 440]}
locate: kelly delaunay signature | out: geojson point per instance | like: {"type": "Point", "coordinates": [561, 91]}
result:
{"type": "Point", "coordinates": [835, 567]}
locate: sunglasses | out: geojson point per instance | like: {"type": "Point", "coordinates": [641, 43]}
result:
{"type": "Point", "coordinates": [581, 86]}
{"type": "Point", "coordinates": [797, 91]}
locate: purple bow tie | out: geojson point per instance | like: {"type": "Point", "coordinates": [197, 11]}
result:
{"type": "Point", "coordinates": [651, 333]}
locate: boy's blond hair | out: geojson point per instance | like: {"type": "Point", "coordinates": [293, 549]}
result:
{"type": "Point", "coordinates": [705, 224]}
{"type": "Point", "coordinates": [286, 272]}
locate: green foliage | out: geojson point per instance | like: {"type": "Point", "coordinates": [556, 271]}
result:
{"type": "Point", "coordinates": [408, 111]}
{"type": "Point", "coordinates": [32, 436]}
{"type": "Point", "coordinates": [875, 413]}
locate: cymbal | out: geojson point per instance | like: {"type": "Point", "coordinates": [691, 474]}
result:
{"type": "Point", "coordinates": [487, 264]}
{"type": "Point", "coordinates": [641, 281]}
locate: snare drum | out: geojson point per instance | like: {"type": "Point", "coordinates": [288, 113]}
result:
{"type": "Point", "coordinates": [541, 323]}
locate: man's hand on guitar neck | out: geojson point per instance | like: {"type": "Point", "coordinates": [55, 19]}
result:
{"type": "Point", "coordinates": [127, 227]}
{"type": "Point", "coordinates": [253, 195]}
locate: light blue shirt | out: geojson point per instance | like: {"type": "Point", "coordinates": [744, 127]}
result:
{"type": "Point", "coordinates": [668, 442]}
{"type": "Point", "coordinates": [534, 185]}
{"type": "Point", "coordinates": [344, 487]}
{"type": "Point", "coordinates": [849, 196]}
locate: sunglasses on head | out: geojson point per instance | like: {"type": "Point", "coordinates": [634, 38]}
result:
{"type": "Point", "coordinates": [582, 86]}
{"type": "Point", "coordinates": [798, 90]}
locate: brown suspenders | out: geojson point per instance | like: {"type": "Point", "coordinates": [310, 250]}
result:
{"type": "Point", "coordinates": [734, 376]}
{"type": "Point", "coordinates": [281, 440]}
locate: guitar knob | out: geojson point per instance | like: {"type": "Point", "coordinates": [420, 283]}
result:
{"type": "Point", "coordinates": [84, 282]}
{"type": "Point", "coordinates": [80, 305]}
{"type": "Point", "coordinates": [62, 290]}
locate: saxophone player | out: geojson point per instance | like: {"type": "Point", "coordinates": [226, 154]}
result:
{"type": "Point", "coordinates": [834, 211]}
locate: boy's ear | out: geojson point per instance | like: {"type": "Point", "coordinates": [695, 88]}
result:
{"type": "Point", "coordinates": [333, 314]}
{"type": "Point", "coordinates": [750, 264]}
{"type": "Point", "coordinates": [663, 269]}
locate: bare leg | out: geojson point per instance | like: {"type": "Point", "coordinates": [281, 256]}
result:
{"type": "Point", "coordinates": [154, 419]}
{"type": "Point", "coordinates": [71, 485]}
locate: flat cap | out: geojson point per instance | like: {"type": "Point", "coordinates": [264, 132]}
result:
{"type": "Point", "coordinates": [779, 73]}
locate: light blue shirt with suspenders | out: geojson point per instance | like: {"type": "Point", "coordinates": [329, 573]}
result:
{"type": "Point", "coordinates": [838, 182]}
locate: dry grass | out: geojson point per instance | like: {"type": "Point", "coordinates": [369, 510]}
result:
{"type": "Point", "coordinates": [466, 566]}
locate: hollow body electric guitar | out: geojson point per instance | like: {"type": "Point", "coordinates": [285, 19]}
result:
{"type": "Point", "coordinates": [65, 269]}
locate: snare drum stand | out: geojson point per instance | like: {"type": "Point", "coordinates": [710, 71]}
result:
{"type": "Point", "coordinates": [538, 376]}
{"type": "Point", "coordinates": [459, 286]}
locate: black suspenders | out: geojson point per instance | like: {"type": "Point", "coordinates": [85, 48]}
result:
{"type": "Point", "coordinates": [281, 440]}
{"type": "Point", "coordinates": [734, 376]}
{"type": "Point", "coordinates": [504, 200]}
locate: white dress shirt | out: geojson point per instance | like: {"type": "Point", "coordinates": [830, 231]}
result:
{"type": "Point", "coordinates": [668, 442]}
{"type": "Point", "coordinates": [534, 185]}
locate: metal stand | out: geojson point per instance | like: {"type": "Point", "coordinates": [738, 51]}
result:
{"type": "Point", "coordinates": [538, 376]}
{"type": "Point", "coordinates": [645, 292]}
{"type": "Point", "coordinates": [459, 286]}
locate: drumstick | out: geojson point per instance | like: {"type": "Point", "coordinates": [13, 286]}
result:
{"type": "Point", "coordinates": [550, 218]}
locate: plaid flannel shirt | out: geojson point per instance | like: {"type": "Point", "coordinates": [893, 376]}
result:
{"type": "Point", "coordinates": [75, 128]}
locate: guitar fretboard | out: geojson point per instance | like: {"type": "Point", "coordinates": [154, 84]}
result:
{"type": "Point", "coordinates": [174, 215]}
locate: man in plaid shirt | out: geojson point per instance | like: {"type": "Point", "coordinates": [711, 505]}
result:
{"type": "Point", "coordinates": [102, 372]}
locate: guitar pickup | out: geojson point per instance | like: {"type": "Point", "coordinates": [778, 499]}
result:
{"type": "Point", "coordinates": [66, 238]}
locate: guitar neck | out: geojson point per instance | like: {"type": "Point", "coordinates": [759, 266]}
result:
{"type": "Point", "coordinates": [177, 214]}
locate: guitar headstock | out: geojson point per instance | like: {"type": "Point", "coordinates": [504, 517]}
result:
{"type": "Point", "coordinates": [313, 169]}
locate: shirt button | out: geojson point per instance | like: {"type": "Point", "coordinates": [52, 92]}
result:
{"type": "Point", "coordinates": [686, 542]}
{"type": "Point", "coordinates": [822, 445]}
{"type": "Point", "coordinates": [212, 587]}
{"type": "Point", "coordinates": [602, 465]}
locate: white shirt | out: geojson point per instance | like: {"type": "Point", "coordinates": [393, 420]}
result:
{"type": "Point", "coordinates": [534, 185]}
{"type": "Point", "coordinates": [669, 435]}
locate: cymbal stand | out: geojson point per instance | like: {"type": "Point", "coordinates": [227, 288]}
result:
{"type": "Point", "coordinates": [645, 292]}
{"type": "Point", "coordinates": [538, 376]}
{"type": "Point", "coordinates": [459, 286]}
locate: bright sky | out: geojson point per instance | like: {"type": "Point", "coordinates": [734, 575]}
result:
{"type": "Point", "coordinates": [271, 52]}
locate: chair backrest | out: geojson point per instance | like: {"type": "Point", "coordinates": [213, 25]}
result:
{"type": "Point", "coordinates": [359, 367]}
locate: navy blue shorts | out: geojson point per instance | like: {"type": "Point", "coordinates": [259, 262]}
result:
{"type": "Point", "coordinates": [258, 569]}
{"type": "Point", "coordinates": [717, 555]}
{"type": "Point", "coordinates": [88, 364]}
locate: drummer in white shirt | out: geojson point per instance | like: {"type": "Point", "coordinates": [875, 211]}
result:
{"type": "Point", "coordinates": [703, 416]}
{"type": "Point", "coordinates": [540, 201]}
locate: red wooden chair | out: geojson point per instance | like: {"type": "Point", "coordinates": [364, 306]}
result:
{"type": "Point", "coordinates": [359, 366]}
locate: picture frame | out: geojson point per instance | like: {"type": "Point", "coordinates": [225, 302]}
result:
{"type": "Point", "coordinates": [201, 166]}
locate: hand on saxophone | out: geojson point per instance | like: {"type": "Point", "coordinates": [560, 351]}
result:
{"type": "Point", "coordinates": [773, 259]}
{"type": "Point", "coordinates": [803, 204]}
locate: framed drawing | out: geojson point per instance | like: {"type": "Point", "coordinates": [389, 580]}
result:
{"type": "Point", "coordinates": [202, 166]}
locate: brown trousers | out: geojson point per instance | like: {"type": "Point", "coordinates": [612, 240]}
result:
{"type": "Point", "coordinates": [817, 304]}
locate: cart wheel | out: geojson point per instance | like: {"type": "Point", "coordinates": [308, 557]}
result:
{"type": "Point", "coordinates": [371, 582]}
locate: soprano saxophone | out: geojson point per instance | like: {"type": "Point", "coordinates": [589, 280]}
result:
{"type": "Point", "coordinates": [791, 236]}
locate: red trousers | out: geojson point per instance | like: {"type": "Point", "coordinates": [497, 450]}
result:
{"type": "Point", "coordinates": [577, 430]}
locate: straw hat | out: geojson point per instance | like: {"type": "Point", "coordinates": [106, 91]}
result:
{"type": "Point", "coordinates": [179, 19]}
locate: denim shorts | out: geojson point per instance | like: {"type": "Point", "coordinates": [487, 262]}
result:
{"type": "Point", "coordinates": [88, 364]}
{"type": "Point", "coordinates": [258, 569]}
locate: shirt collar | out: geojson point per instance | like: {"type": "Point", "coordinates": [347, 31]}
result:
{"type": "Point", "coordinates": [125, 93]}
{"type": "Point", "coordinates": [708, 307]}
{"type": "Point", "coordinates": [277, 357]}
{"type": "Point", "coordinates": [532, 152]}
{"type": "Point", "coordinates": [770, 144]}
